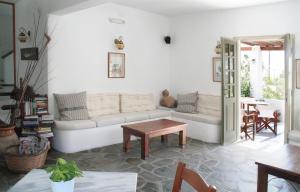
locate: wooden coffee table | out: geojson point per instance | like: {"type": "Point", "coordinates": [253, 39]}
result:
{"type": "Point", "coordinates": [150, 129]}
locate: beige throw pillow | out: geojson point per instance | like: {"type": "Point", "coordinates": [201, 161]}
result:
{"type": "Point", "coordinates": [72, 106]}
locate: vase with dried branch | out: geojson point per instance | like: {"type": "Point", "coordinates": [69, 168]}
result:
{"type": "Point", "coordinates": [26, 86]}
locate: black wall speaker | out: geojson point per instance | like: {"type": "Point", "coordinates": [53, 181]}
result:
{"type": "Point", "coordinates": [167, 39]}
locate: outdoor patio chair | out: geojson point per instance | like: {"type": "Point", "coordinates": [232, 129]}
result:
{"type": "Point", "coordinates": [248, 125]}
{"type": "Point", "coordinates": [268, 120]}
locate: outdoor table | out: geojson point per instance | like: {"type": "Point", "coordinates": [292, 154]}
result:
{"type": "Point", "coordinates": [253, 103]}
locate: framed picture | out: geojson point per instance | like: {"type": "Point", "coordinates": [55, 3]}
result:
{"type": "Point", "coordinates": [298, 73]}
{"type": "Point", "coordinates": [30, 53]}
{"type": "Point", "coordinates": [116, 65]}
{"type": "Point", "coordinates": [217, 69]}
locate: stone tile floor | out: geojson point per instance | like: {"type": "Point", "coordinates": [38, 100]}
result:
{"type": "Point", "coordinates": [229, 168]}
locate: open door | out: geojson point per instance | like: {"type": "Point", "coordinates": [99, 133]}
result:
{"type": "Point", "coordinates": [229, 90]}
{"type": "Point", "coordinates": [289, 47]}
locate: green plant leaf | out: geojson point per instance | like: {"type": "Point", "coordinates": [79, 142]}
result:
{"type": "Point", "coordinates": [63, 170]}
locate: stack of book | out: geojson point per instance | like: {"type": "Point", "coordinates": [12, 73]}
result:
{"type": "Point", "coordinates": [29, 125]}
{"type": "Point", "coordinates": [45, 126]}
{"type": "Point", "coordinates": [41, 105]}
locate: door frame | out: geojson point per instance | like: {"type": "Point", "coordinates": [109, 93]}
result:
{"type": "Point", "coordinates": [288, 81]}
{"type": "Point", "coordinates": [14, 39]}
{"type": "Point", "coordinates": [230, 136]}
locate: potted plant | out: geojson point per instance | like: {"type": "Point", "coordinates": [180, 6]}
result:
{"type": "Point", "coordinates": [62, 175]}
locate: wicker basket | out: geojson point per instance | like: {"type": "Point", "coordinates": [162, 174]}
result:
{"type": "Point", "coordinates": [24, 163]}
{"type": "Point", "coordinates": [7, 131]}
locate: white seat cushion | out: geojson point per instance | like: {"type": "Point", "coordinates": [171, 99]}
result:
{"type": "Point", "coordinates": [75, 124]}
{"type": "Point", "coordinates": [209, 105]}
{"type": "Point", "coordinates": [158, 114]}
{"type": "Point", "coordinates": [198, 117]}
{"type": "Point", "coordinates": [137, 116]}
{"type": "Point", "coordinates": [137, 102]}
{"type": "Point", "coordinates": [103, 104]}
{"type": "Point", "coordinates": [109, 120]}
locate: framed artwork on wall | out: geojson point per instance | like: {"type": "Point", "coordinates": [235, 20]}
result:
{"type": "Point", "coordinates": [217, 69]}
{"type": "Point", "coordinates": [116, 65]}
{"type": "Point", "coordinates": [298, 73]}
{"type": "Point", "coordinates": [30, 53]}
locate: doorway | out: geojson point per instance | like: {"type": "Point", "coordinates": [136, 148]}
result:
{"type": "Point", "coordinates": [231, 82]}
{"type": "Point", "coordinates": [262, 89]}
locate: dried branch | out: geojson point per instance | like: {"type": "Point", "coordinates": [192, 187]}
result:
{"type": "Point", "coordinates": [33, 66]}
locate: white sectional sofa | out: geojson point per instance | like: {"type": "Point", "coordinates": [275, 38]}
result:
{"type": "Point", "coordinates": [206, 124]}
{"type": "Point", "coordinates": [109, 111]}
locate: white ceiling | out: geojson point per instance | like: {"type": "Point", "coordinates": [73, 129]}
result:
{"type": "Point", "coordinates": [164, 7]}
{"type": "Point", "coordinates": [177, 7]}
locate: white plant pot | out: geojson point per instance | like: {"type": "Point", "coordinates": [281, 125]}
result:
{"type": "Point", "coordinates": [67, 186]}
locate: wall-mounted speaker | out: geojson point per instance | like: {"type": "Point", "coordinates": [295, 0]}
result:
{"type": "Point", "coordinates": [167, 39]}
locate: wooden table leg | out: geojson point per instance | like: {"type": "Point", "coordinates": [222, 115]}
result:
{"type": "Point", "coordinates": [262, 179]}
{"type": "Point", "coordinates": [164, 138]}
{"type": "Point", "coordinates": [144, 146]}
{"type": "Point", "coordinates": [126, 140]}
{"type": "Point", "coordinates": [182, 137]}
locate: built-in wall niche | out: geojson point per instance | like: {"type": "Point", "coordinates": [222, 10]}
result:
{"type": "Point", "coordinates": [7, 47]}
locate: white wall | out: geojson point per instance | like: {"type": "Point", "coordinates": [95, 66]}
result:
{"type": "Point", "coordinates": [77, 58]}
{"type": "Point", "coordinates": [195, 37]}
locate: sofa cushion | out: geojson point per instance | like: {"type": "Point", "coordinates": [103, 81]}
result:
{"type": "Point", "coordinates": [198, 117]}
{"type": "Point", "coordinates": [109, 120]}
{"type": "Point", "coordinates": [159, 114]}
{"type": "Point", "coordinates": [187, 103]}
{"type": "Point", "coordinates": [72, 106]}
{"type": "Point", "coordinates": [136, 116]}
{"type": "Point", "coordinates": [75, 125]}
{"type": "Point", "coordinates": [209, 105]}
{"type": "Point", "coordinates": [137, 102]}
{"type": "Point", "coordinates": [103, 104]}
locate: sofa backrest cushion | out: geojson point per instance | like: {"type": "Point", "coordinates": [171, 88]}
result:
{"type": "Point", "coordinates": [187, 103]}
{"type": "Point", "coordinates": [72, 106]}
{"type": "Point", "coordinates": [209, 105]}
{"type": "Point", "coordinates": [99, 104]}
{"type": "Point", "coordinates": [137, 102]}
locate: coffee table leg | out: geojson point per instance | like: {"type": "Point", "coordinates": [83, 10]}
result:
{"type": "Point", "coordinates": [164, 138]}
{"type": "Point", "coordinates": [144, 147]}
{"type": "Point", "coordinates": [262, 179]}
{"type": "Point", "coordinates": [126, 140]}
{"type": "Point", "coordinates": [182, 137]}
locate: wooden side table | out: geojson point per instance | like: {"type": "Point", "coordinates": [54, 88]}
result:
{"type": "Point", "coordinates": [285, 164]}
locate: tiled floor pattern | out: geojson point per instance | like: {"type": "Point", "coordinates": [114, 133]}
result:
{"type": "Point", "coordinates": [229, 168]}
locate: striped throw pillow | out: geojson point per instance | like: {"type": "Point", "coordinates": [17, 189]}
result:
{"type": "Point", "coordinates": [72, 106]}
{"type": "Point", "coordinates": [187, 103]}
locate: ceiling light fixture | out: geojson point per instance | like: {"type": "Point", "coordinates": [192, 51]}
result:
{"type": "Point", "coordinates": [116, 20]}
